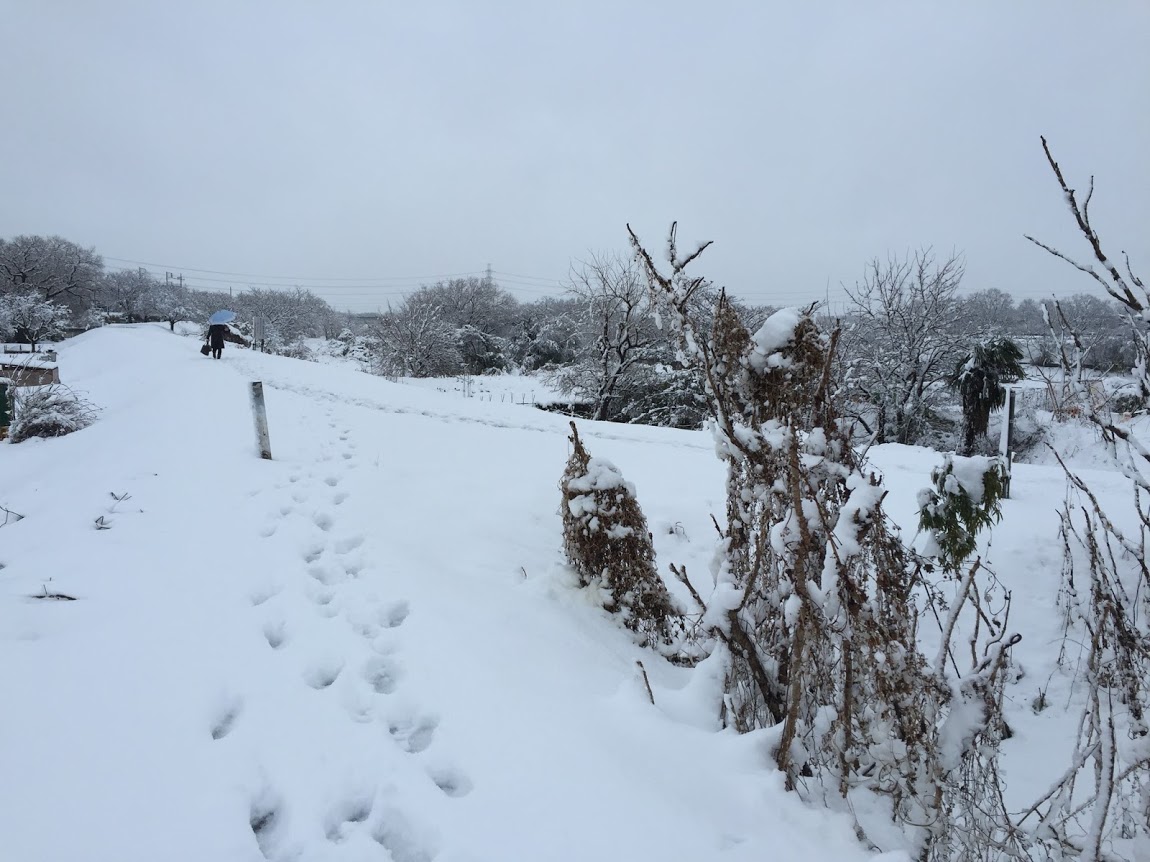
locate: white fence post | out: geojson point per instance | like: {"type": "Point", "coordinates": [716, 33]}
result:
{"type": "Point", "coordinates": [260, 415]}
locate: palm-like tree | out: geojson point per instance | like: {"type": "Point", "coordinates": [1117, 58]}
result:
{"type": "Point", "coordinates": [979, 377]}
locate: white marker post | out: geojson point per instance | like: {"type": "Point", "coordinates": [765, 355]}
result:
{"type": "Point", "coordinates": [260, 415]}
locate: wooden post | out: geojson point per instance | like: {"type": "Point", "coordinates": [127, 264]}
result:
{"type": "Point", "coordinates": [5, 407]}
{"type": "Point", "coordinates": [260, 415]}
{"type": "Point", "coordinates": [1006, 440]}
{"type": "Point", "coordinates": [1011, 402]}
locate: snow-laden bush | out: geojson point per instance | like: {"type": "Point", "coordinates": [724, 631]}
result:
{"type": "Point", "coordinates": [296, 350]}
{"type": "Point", "coordinates": [49, 411]}
{"type": "Point", "coordinates": [606, 540]}
{"type": "Point", "coordinates": [815, 608]}
{"type": "Point", "coordinates": [964, 500]}
{"type": "Point", "coordinates": [663, 394]}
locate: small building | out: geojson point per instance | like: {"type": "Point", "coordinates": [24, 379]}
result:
{"type": "Point", "coordinates": [30, 372]}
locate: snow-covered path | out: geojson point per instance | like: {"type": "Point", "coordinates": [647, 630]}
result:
{"type": "Point", "coordinates": [364, 649]}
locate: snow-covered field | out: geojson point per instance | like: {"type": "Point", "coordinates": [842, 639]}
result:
{"type": "Point", "coordinates": [369, 647]}
{"type": "Point", "coordinates": [509, 388]}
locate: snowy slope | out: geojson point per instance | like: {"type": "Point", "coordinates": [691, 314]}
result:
{"type": "Point", "coordinates": [366, 649]}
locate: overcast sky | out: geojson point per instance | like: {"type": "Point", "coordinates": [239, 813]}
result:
{"type": "Point", "coordinates": [389, 144]}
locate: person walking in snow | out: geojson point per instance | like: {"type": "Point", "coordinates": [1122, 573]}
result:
{"type": "Point", "coordinates": [216, 339]}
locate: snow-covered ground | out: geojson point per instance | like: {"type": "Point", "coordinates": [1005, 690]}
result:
{"type": "Point", "coordinates": [526, 389]}
{"type": "Point", "coordinates": [511, 388]}
{"type": "Point", "coordinates": [369, 647]}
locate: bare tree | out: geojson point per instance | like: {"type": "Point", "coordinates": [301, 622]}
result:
{"type": "Point", "coordinates": [51, 266]}
{"type": "Point", "coordinates": [415, 341]}
{"type": "Point", "coordinates": [131, 293]}
{"type": "Point", "coordinates": [1028, 318]}
{"type": "Point", "coordinates": [480, 316]}
{"type": "Point", "coordinates": [1100, 808]}
{"type": "Point", "coordinates": [289, 315]}
{"type": "Point", "coordinates": [175, 302]}
{"type": "Point", "coordinates": [618, 330]}
{"type": "Point", "coordinates": [204, 302]}
{"type": "Point", "coordinates": [1100, 327]}
{"type": "Point", "coordinates": [989, 312]}
{"type": "Point", "coordinates": [476, 302]}
{"type": "Point", "coordinates": [904, 337]}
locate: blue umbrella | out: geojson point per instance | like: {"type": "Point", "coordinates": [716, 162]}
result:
{"type": "Point", "coordinates": [222, 316]}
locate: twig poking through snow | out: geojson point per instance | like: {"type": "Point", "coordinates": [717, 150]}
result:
{"type": "Point", "coordinates": [646, 682]}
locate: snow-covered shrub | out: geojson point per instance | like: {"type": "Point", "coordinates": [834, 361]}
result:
{"type": "Point", "coordinates": [92, 318]}
{"type": "Point", "coordinates": [296, 350]}
{"type": "Point", "coordinates": [815, 602]}
{"type": "Point", "coordinates": [663, 394]}
{"type": "Point", "coordinates": [361, 348]}
{"type": "Point", "coordinates": [482, 352]}
{"type": "Point", "coordinates": [49, 411]}
{"type": "Point", "coordinates": [965, 499]}
{"type": "Point", "coordinates": [1128, 400]}
{"type": "Point", "coordinates": [606, 540]}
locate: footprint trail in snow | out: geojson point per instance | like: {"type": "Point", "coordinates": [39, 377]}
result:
{"type": "Point", "coordinates": [333, 568]}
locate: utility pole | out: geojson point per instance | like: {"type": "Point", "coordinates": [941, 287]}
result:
{"type": "Point", "coordinates": [169, 277]}
{"type": "Point", "coordinates": [489, 277]}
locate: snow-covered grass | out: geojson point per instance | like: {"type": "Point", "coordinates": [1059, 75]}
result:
{"type": "Point", "coordinates": [369, 647]}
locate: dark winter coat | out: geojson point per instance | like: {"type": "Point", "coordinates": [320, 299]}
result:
{"type": "Point", "coordinates": [216, 336]}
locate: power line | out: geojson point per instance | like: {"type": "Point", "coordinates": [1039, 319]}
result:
{"type": "Point", "coordinates": [296, 278]}
{"type": "Point", "coordinates": [529, 277]}
{"type": "Point", "coordinates": [365, 288]}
